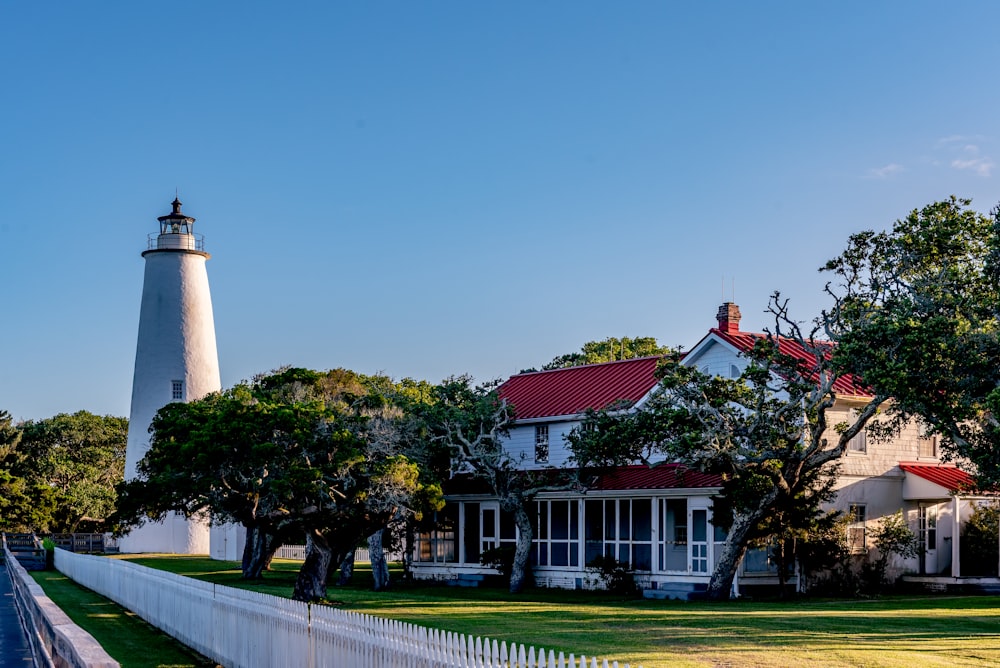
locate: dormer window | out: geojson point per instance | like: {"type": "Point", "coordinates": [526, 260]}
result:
{"type": "Point", "coordinates": [542, 444]}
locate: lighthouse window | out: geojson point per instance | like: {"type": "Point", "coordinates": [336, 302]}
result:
{"type": "Point", "coordinates": [177, 390]}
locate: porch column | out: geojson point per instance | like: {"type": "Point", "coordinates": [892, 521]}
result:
{"type": "Point", "coordinates": [956, 523]}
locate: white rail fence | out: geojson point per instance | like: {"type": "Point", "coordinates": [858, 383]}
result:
{"type": "Point", "coordinates": [361, 555]}
{"type": "Point", "coordinates": [247, 629]}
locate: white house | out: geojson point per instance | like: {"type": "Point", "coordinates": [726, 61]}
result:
{"type": "Point", "coordinates": [659, 519]}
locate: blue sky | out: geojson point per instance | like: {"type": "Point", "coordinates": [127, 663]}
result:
{"type": "Point", "coordinates": [435, 188]}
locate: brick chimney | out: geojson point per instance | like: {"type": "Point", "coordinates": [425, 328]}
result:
{"type": "Point", "coordinates": [729, 318]}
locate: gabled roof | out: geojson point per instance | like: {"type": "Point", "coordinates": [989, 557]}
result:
{"type": "Point", "coordinates": [744, 342]}
{"type": "Point", "coordinates": [573, 390]}
{"type": "Point", "coordinates": [951, 478]}
{"type": "Point", "coordinates": [661, 476]}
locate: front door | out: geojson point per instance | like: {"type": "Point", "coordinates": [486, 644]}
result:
{"type": "Point", "coordinates": [927, 535]}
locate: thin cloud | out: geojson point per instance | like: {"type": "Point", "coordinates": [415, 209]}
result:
{"type": "Point", "coordinates": [982, 166]}
{"type": "Point", "coordinates": [885, 172]}
{"type": "Point", "coordinates": [951, 140]}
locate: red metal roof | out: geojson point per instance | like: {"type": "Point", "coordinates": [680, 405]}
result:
{"type": "Point", "coordinates": [636, 477]}
{"type": "Point", "coordinates": [951, 478]}
{"type": "Point", "coordinates": [573, 390]}
{"type": "Point", "coordinates": [744, 342]}
{"type": "Point", "coordinates": [661, 476]}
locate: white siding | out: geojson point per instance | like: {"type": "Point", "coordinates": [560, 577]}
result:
{"type": "Point", "coordinates": [716, 359]}
{"type": "Point", "coordinates": [521, 444]}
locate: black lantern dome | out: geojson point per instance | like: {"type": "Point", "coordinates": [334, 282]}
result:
{"type": "Point", "coordinates": [176, 222]}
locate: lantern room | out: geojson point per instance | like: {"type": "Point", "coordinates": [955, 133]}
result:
{"type": "Point", "coordinates": [176, 222]}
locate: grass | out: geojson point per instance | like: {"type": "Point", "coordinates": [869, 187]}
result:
{"type": "Point", "coordinates": [127, 638]}
{"type": "Point", "coordinates": [901, 632]}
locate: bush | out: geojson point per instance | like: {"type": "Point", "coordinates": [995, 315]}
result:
{"type": "Point", "coordinates": [616, 575]}
{"type": "Point", "coordinates": [979, 542]}
{"type": "Point", "coordinates": [501, 558]}
{"type": "Point", "coordinates": [892, 536]}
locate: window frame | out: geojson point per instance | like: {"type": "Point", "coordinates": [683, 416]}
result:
{"type": "Point", "coordinates": [858, 514]}
{"type": "Point", "coordinates": [541, 444]}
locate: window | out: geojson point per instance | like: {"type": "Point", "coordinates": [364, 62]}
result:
{"type": "Point", "coordinates": [858, 444]}
{"type": "Point", "coordinates": [177, 390]}
{"type": "Point", "coordinates": [856, 533]}
{"type": "Point", "coordinates": [436, 539]}
{"type": "Point", "coordinates": [927, 447]}
{"type": "Point", "coordinates": [542, 444]}
{"type": "Point", "coordinates": [557, 534]}
{"type": "Point", "coordinates": [620, 529]}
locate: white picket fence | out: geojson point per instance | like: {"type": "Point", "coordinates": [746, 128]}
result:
{"type": "Point", "coordinates": [247, 629]}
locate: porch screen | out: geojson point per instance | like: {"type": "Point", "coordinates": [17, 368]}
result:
{"type": "Point", "coordinates": [620, 529]}
{"type": "Point", "coordinates": [557, 534]}
{"type": "Point", "coordinates": [437, 539]}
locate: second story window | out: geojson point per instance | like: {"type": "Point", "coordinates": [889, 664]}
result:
{"type": "Point", "coordinates": [542, 444]}
{"type": "Point", "coordinates": [177, 390]}
{"type": "Point", "coordinates": [858, 444]}
{"type": "Point", "coordinates": [928, 447]}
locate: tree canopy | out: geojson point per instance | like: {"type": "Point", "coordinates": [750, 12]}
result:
{"type": "Point", "coordinates": [609, 350]}
{"type": "Point", "coordinates": [291, 454]}
{"type": "Point", "coordinates": [916, 314]}
{"type": "Point", "coordinates": [60, 473]}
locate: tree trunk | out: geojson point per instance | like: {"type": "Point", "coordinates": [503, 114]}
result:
{"type": "Point", "coordinates": [732, 553]}
{"type": "Point", "coordinates": [310, 585]}
{"type": "Point", "coordinates": [257, 553]}
{"type": "Point", "coordinates": [346, 569]}
{"type": "Point", "coordinates": [380, 568]}
{"type": "Point", "coordinates": [520, 574]}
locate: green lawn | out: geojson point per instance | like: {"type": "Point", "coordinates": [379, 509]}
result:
{"type": "Point", "coordinates": [127, 638]}
{"type": "Point", "coordinates": [905, 632]}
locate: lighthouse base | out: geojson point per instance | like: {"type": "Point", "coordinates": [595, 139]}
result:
{"type": "Point", "coordinates": [174, 535]}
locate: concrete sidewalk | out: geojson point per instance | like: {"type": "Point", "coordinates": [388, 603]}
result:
{"type": "Point", "coordinates": [14, 649]}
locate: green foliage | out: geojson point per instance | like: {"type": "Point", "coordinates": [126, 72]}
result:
{"type": "Point", "coordinates": [60, 472]}
{"type": "Point", "coordinates": [915, 315]}
{"type": "Point", "coordinates": [609, 350]}
{"type": "Point", "coordinates": [616, 576]}
{"type": "Point", "coordinates": [980, 552]}
{"type": "Point", "coordinates": [499, 558]}
{"type": "Point", "coordinates": [891, 536]}
{"type": "Point", "coordinates": [289, 453]}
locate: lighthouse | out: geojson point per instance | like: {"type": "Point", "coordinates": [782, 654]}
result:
{"type": "Point", "coordinates": [175, 360]}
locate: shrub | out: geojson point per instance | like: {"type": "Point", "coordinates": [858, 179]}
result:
{"type": "Point", "coordinates": [501, 558]}
{"type": "Point", "coordinates": [616, 575]}
{"type": "Point", "coordinates": [891, 536]}
{"type": "Point", "coordinates": [979, 542]}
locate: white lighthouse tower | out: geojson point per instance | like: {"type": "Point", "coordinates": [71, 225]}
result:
{"type": "Point", "coordinates": [175, 360]}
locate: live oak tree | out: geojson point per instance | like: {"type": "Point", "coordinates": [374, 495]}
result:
{"type": "Point", "coordinates": [285, 455]}
{"type": "Point", "coordinates": [78, 458]}
{"type": "Point", "coordinates": [916, 313]}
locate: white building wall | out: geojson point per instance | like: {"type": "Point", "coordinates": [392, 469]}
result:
{"type": "Point", "coordinates": [176, 342]}
{"type": "Point", "coordinates": [521, 443]}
